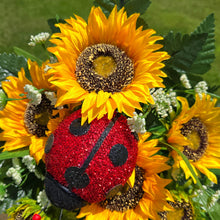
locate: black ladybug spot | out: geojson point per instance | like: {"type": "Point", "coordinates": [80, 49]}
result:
{"type": "Point", "coordinates": [76, 178]}
{"type": "Point", "coordinates": [76, 128]}
{"type": "Point", "coordinates": [118, 155]}
{"type": "Point", "coordinates": [49, 144]}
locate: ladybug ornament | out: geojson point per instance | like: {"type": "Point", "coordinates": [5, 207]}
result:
{"type": "Point", "coordinates": [85, 164]}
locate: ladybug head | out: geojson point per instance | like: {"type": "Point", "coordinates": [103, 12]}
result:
{"type": "Point", "coordinates": [90, 160]}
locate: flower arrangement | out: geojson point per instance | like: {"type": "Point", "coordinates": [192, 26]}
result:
{"type": "Point", "coordinates": [117, 123]}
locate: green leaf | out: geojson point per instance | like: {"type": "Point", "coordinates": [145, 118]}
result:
{"type": "Point", "coordinates": [52, 21]}
{"type": "Point", "coordinates": [27, 55]}
{"type": "Point", "coordinates": [214, 212]}
{"type": "Point", "coordinates": [142, 22]}
{"type": "Point", "coordinates": [207, 55]}
{"type": "Point", "coordinates": [215, 171]}
{"type": "Point", "coordinates": [12, 154]}
{"type": "Point", "coordinates": [136, 6]}
{"type": "Point", "coordinates": [183, 50]}
{"type": "Point", "coordinates": [187, 163]}
{"type": "Point", "coordinates": [11, 64]}
{"type": "Point", "coordinates": [106, 5]}
{"type": "Point", "coordinates": [131, 6]}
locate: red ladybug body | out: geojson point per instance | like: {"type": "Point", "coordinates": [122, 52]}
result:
{"type": "Point", "coordinates": [92, 159]}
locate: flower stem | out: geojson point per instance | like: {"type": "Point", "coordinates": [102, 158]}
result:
{"type": "Point", "coordinates": [11, 99]}
{"type": "Point", "coordinates": [147, 112]}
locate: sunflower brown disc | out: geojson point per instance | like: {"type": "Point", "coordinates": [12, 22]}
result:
{"type": "Point", "coordinates": [195, 125]}
{"type": "Point", "coordinates": [177, 205]}
{"type": "Point", "coordinates": [117, 76]}
{"type": "Point", "coordinates": [36, 117]}
{"type": "Point", "coordinates": [127, 198]}
{"type": "Point", "coordinates": [113, 191]}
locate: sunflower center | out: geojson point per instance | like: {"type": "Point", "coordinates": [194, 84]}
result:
{"type": "Point", "coordinates": [195, 131]}
{"type": "Point", "coordinates": [127, 198]}
{"type": "Point", "coordinates": [182, 211]}
{"type": "Point", "coordinates": [177, 214]}
{"type": "Point", "coordinates": [36, 117]}
{"type": "Point", "coordinates": [104, 67]}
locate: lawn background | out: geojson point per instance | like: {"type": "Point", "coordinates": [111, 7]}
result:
{"type": "Point", "coordinates": [21, 18]}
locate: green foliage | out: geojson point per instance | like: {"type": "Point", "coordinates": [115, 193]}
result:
{"type": "Point", "coordinates": [136, 6]}
{"type": "Point", "coordinates": [29, 208]}
{"type": "Point", "coordinates": [11, 64]}
{"type": "Point", "coordinates": [106, 5]}
{"type": "Point", "coordinates": [206, 56]}
{"type": "Point", "coordinates": [131, 7]}
{"type": "Point", "coordinates": [190, 53]}
{"type": "Point", "coordinates": [183, 50]}
{"type": "Point", "coordinates": [13, 154]}
{"type": "Point", "coordinates": [27, 55]}
{"type": "Point", "coordinates": [52, 22]}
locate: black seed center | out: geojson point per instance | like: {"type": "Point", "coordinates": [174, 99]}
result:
{"type": "Point", "coordinates": [128, 199]}
{"type": "Point", "coordinates": [119, 77]}
{"type": "Point", "coordinates": [36, 117]}
{"type": "Point", "coordinates": [195, 125]}
{"type": "Point", "coordinates": [185, 206]}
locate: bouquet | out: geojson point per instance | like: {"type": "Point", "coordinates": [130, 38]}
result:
{"type": "Point", "coordinates": [117, 123]}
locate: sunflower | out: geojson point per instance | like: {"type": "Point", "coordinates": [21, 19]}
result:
{"type": "Point", "coordinates": [144, 196]}
{"type": "Point", "coordinates": [196, 132]}
{"type": "Point", "coordinates": [23, 122]}
{"type": "Point", "coordinates": [107, 63]}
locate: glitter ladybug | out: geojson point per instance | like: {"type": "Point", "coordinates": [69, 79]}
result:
{"type": "Point", "coordinates": [85, 164]}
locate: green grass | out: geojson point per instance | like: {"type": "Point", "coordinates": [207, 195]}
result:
{"type": "Point", "coordinates": [22, 18]}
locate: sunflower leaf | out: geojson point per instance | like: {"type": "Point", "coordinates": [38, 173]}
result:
{"type": "Point", "coordinates": [27, 55]}
{"type": "Point", "coordinates": [13, 154]}
{"type": "Point", "coordinates": [214, 212]}
{"type": "Point", "coordinates": [52, 21]}
{"type": "Point", "coordinates": [187, 163]}
{"type": "Point", "coordinates": [11, 64]}
{"type": "Point", "coordinates": [207, 55]}
{"type": "Point", "coordinates": [184, 50]}
{"type": "Point", "coordinates": [136, 6]}
{"type": "Point", "coordinates": [106, 5]}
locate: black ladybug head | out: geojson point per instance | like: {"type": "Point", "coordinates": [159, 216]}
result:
{"type": "Point", "coordinates": [61, 196]}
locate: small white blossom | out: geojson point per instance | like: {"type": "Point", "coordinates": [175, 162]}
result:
{"type": "Point", "coordinates": [38, 39]}
{"type": "Point", "coordinates": [29, 162]}
{"type": "Point", "coordinates": [31, 165]}
{"type": "Point", "coordinates": [14, 172]}
{"type": "Point", "coordinates": [33, 94]}
{"type": "Point", "coordinates": [46, 68]}
{"type": "Point", "coordinates": [185, 81]}
{"type": "Point", "coordinates": [3, 191]}
{"type": "Point", "coordinates": [3, 100]}
{"type": "Point", "coordinates": [42, 199]}
{"type": "Point", "coordinates": [52, 97]}
{"type": "Point", "coordinates": [137, 123]}
{"type": "Point", "coordinates": [214, 199]}
{"type": "Point", "coordinates": [201, 87]}
{"type": "Point", "coordinates": [164, 102]}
